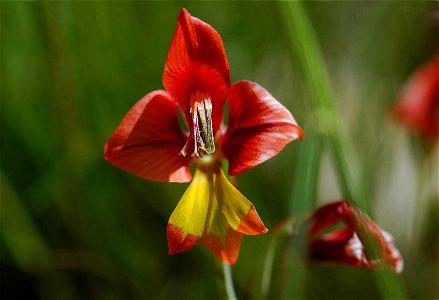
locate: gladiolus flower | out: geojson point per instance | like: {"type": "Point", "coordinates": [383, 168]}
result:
{"type": "Point", "coordinates": [341, 233]}
{"type": "Point", "coordinates": [418, 104]}
{"type": "Point", "coordinates": [150, 143]}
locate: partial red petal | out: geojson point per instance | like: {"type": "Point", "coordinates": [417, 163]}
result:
{"type": "Point", "coordinates": [259, 127]}
{"type": "Point", "coordinates": [335, 248]}
{"type": "Point", "coordinates": [197, 64]}
{"type": "Point", "coordinates": [148, 141]}
{"type": "Point", "coordinates": [228, 250]}
{"type": "Point", "coordinates": [418, 105]}
{"type": "Point", "coordinates": [178, 241]}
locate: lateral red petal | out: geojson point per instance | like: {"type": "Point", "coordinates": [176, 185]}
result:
{"type": "Point", "coordinates": [197, 64]}
{"type": "Point", "coordinates": [259, 127]}
{"type": "Point", "coordinates": [148, 141]}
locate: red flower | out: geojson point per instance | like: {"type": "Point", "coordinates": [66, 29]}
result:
{"type": "Point", "coordinates": [340, 233]}
{"type": "Point", "coordinates": [418, 104]}
{"type": "Point", "coordinates": [150, 143]}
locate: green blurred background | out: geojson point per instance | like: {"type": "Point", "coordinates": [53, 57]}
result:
{"type": "Point", "coordinates": [73, 226]}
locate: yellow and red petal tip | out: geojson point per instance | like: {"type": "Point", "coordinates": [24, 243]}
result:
{"type": "Point", "coordinates": [252, 224]}
{"type": "Point", "coordinates": [238, 210]}
{"type": "Point", "coordinates": [177, 241]}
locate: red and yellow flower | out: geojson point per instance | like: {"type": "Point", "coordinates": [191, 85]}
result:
{"type": "Point", "coordinates": [150, 143]}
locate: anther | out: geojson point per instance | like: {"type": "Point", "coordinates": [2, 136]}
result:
{"type": "Point", "coordinates": [203, 130]}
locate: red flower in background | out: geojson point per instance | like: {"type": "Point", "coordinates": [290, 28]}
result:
{"type": "Point", "coordinates": [340, 233]}
{"type": "Point", "coordinates": [150, 143]}
{"type": "Point", "coordinates": [418, 104]}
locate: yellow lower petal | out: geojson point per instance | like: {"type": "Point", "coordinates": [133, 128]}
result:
{"type": "Point", "coordinates": [212, 211]}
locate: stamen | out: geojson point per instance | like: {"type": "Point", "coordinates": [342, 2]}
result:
{"type": "Point", "coordinates": [196, 133]}
{"type": "Point", "coordinates": [203, 130]}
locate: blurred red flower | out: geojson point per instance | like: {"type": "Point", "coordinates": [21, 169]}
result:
{"type": "Point", "coordinates": [150, 142]}
{"type": "Point", "coordinates": [418, 104]}
{"type": "Point", "coordinates": [341, 233]}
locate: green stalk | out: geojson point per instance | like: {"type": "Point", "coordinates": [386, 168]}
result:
{"type": "Point", "coordinates": [229, 282]}
{"type": "Point", "coordinates": [267, 268]}
{"type": "Point", "coordinates": [224, 280]}
{"type": "Point", "coordinates": [307, 174]}
{"type": "Point", "coordinates": [303, 201]}
{"type": "Point", "coordinates": [305, 49]}
{"type": "Point", "coordinates": [303, 198]}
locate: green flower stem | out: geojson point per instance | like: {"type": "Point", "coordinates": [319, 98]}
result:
{"type": "Point", "coordinates": [303, 198]}
{"type": "Point", "coordinates": [267, 269]}
{"type": "Point", "coordinates": [229, 282]}
{"type": "Point", "coordinates": [305, 49]}
{"type": "Point", "coordinates": [303, 201]}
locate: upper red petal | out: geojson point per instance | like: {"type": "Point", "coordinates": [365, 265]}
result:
{"type": "Point", "coordinates": [197, 64]}
{"type": "Point", "coordinates": [148, 141]}
{"type": "Point", "coordinates": [259, 127]}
